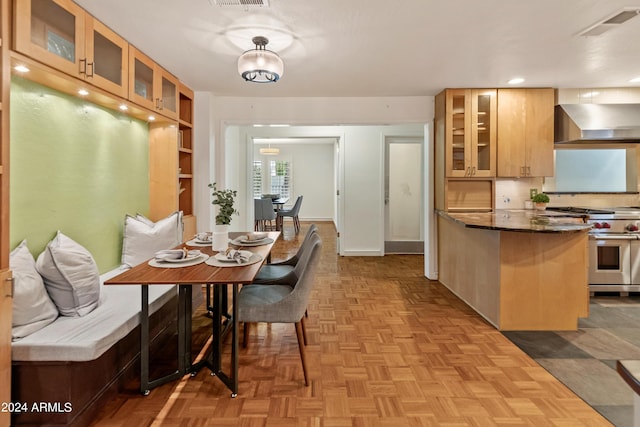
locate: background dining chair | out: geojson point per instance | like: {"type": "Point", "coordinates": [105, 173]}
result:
{"type": "Point", "coordinates": [257, 214]}
{"type": "Point", "coordinates": [268, 214]}
{"type": "Point", "coordinates": [292, 213]}
{"type": "Point", "coordinates": [263, 214]}
{"type": "Point", "coordinates": [282, 303]}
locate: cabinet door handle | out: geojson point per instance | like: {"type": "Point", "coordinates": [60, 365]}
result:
{"type": "Point", "coordinates": [83, 66]}
{"type": "Point", "coordinates": [473, 171]}
{"type": "Point", "coordinates": [468, 171]}
{"type": "Point", "coordinates": [528, 170]}
{"type": "Point", "coordinates": [89, 64]}
{"type": "Point", "coordinates": [157, 103]}
{"type": "Point", "coordinates": [9, 290]}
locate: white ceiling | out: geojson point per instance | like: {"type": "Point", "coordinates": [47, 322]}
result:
{"type": "Point", "coordinates": [383, 48]}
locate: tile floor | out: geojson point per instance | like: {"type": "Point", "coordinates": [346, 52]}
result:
{"type": "Point", "coordinates": [584, 360]}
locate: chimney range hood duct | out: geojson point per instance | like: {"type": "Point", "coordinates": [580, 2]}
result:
{"type": "Point", "coordinates": [597, 123]}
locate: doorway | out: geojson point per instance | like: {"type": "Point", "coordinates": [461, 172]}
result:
{"type": "Point", "coordinates": [403, 199]}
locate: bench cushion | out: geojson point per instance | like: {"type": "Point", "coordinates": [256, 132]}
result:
{"type": "Point", "coordinates": [88, 337]}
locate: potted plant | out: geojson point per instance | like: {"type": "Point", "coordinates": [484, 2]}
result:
{"type": "Point", "coordinates": [540, 200]}
{"type": "Point", "coordinates": [224, 200]}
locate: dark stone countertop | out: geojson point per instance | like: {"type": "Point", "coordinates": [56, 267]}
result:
{"type": "Point", "coordinates": [528, 221]}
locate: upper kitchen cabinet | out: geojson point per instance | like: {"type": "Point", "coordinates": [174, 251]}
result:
{"type": "Point", "coordinates": [470, 132]}
{"type": "Point", "coordinates": [62, 35]}
{"type": "Point", "coordinates": [525, 132]}
{"type": "Point", "coordinates": [151, 86]}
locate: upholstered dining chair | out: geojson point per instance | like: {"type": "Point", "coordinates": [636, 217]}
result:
{"type": "Point", "coordinates": [292, 213]}
{"type": "Point", "coordinates": [263, 212]}
{"type": "Point", "coordinates": [282, 303]}
{"type": "Point", "coordinates": [268, 214]}
{"type": "Point", "coordinates": [282, 272]}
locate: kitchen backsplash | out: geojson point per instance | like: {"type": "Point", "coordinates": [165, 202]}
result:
{"type": "Point", "coordinates": [513, 193]}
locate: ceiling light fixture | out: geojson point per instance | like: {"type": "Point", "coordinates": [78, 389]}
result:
{"type": "Point", "coordinates": [516, 81]}
{"type": "Point", "coordinates": [269, 151]}
{"type": "Point", "coordinates": [260, 65]}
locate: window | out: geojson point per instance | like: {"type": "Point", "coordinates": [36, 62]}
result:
{"type": "Point", "coordinates": [257, 179]}
{"type": "Point", "coordinates": [275, 178]}
{"type": "Point", "coordinates": [280, 177]}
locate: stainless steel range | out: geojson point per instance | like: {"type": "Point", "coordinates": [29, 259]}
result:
{"type": "Point", "coordinates": [614, 248]}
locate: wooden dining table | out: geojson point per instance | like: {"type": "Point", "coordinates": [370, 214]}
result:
{"type": "Point", "coordinates": [217, 278]}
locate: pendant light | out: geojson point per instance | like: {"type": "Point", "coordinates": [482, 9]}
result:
{"type": "Point", "coordinates": [269, 151]}
{"type": "Point", "coordinates": [260, 65]}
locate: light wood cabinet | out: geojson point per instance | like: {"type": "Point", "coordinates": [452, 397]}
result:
{"type": "Point", "coordinates": [171, 165]}
{"type": "Point", "coordinates": [525, 132]}
{"type": "Point", "coordinates": [151, 86]}
{"type": "Point", "coordinates": [185, 159]}
{"type": "Point", "coordinates": [6, 289]}
{"type": "Point", "coordinates": [470, 132]}
{"type": "Point", "coordinates": [465, 149]}
{"type": "Point", "coordinates": [62, 35]}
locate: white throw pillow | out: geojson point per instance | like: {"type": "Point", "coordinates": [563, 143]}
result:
{"type": "Point", "coordinates": [70, 275]}
{"type": "Point", "coordinates": [32, 307]}
{"type": "Point", "coordinates": [142, 238]}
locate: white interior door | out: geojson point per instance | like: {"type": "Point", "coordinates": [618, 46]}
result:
{"type": "Point", "coordinates": [404, 195]}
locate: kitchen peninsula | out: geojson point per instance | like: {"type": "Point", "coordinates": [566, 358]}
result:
{"type": "Point", "coordinates": [519, 269]}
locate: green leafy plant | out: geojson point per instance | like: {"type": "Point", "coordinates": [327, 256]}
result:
{"type": "Point", "coordinates": [224, 199]}
{"type": "Point", "coordinates": [540, 198]}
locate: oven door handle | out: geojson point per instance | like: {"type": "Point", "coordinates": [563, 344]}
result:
{"type": "Point", "coordinates": [613, 237]}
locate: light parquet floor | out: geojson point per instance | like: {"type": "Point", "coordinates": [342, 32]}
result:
{"type": "Point", "coordinates": [387, 347]}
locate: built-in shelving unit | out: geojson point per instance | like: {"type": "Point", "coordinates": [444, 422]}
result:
{"type": "Point", "coordinates": [185, 159]}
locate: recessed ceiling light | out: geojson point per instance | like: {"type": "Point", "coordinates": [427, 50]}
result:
{"type": "Point", "coordinates": [151, 118]}
{"type": "Point", "coordinates": [83, 92]}
{"type": "Point", "coordinates": [635, 80]}
{"type": "Point", "coordinates": [124, 107]}
{"type": "Point", "coordinates": [21, 68]}
{"type": "Point", "coordinates": [516, 81]}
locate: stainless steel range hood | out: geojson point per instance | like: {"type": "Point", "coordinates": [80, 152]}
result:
{"type": "Point", "coordinates": [597, 123]}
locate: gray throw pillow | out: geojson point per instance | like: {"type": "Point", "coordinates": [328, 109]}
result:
{"type": "Point", "coordinates": [32, 307]}
{"type": "Point", "coordinates": [70, 275]}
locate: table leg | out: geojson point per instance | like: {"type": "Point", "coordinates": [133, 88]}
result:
{"type": "Point", "coordinates": [147, 384]}
{"type": "Point", "coordinates": [144, 341]}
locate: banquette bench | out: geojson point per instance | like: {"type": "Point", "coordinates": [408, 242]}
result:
{"type": "Point", "coordinates": [64, 372]}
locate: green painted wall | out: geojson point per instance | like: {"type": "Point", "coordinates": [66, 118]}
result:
{"type": "Point", "coordinates": [75, 167]}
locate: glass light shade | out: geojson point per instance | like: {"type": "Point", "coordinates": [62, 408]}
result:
{"type": "Point", "coordinates": [270, 151]}
{"type": "Point", "coordinates": [260, 65]}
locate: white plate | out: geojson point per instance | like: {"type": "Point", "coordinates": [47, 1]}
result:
{"type": "Point", "coordinates": [212, 261]}
{"type": "Point", "coordinates": [177, 261]}
{"type": "Point", "coordinates": [239, 242]}
{"type": "Point", "coordinates": [223, 257]}
{"type": "Point", "coordinates": [202, 242]}
{"type": "Point", "coordinates": [253, 241]}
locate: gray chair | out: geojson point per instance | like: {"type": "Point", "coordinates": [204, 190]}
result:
{"type": "Point", "coordinates": [292, 213]}
{"type": "Point", "coordinates": [263, 213]}
{"type": "Point", "coordinates": [283, 303]}
{"type": "Point", "coordinates": [282, 272]}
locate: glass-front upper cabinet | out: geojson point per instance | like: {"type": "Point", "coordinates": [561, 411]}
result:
{"type": "Point", "coordinates": [470, 132]}
{"type": "Point", "coordinates": [151, 86]}
{"type": "Point", "coordinates": [107, 55]}
{"type": "Point", "coordinates": [62, 35]}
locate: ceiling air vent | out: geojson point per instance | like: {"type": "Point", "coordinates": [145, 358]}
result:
{"type": "Point", "coordinates": [244, 3]}
{"type": "Point", "coordinates": [611, 22]}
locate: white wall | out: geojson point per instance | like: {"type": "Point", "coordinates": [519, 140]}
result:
{"type": "Point", "coordinates": [312, 177]}
{"type": "Point", "coordinates": [361, 150]}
